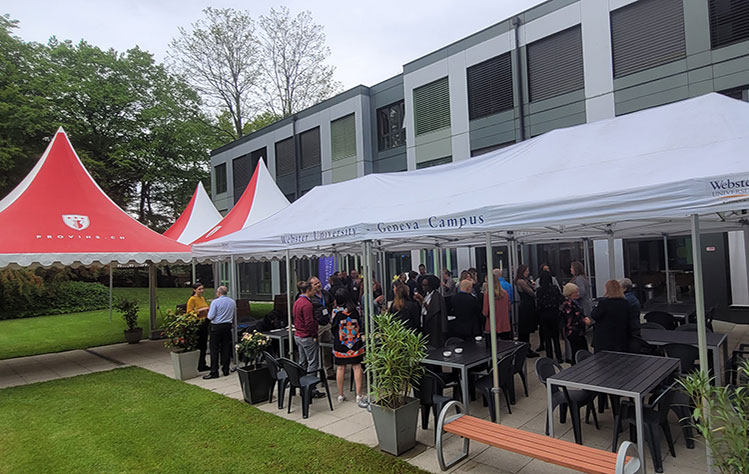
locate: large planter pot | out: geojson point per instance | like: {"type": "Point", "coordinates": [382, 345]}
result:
{"type": "Point", "coordinates": [185, 364]}
{"type": "Point", "coordinates": [133, 336]}
{"type": "Point", "coordinates": [396, 429]}
{"type": "Point", "coordinates": [255, 383]}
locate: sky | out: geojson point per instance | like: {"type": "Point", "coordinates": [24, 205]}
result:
{"type": "Point", "coordinates": [369, 41]}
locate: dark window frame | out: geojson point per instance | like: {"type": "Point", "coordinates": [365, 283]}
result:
{"type": "Point", "coordinates": [282, 170]}
{"type": "Point", "coordinates": [487, 86]}
{"type": "Point", "coordinates": [310, 149]}
{"type": "Point", "coordinates": [221, 179]}
{"type": "Point", "coordinates": [391, 136]}
{"type": "Point", "coordinates": [737, 17]}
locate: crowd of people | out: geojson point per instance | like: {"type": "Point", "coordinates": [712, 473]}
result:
{"type": "Point", "coordinates": [331, 315]}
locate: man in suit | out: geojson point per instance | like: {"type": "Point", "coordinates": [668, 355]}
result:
{"type": "Point", "coordinates": [468, 318]}
{"type": "Point", "coordinates": [434, 312]}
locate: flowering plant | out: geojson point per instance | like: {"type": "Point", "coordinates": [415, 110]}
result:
{"type": "Point", "coordinates": [181, 330]}
{"type": "Point", "coordinates": [251, 346]}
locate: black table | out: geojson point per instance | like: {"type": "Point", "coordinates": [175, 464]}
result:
{"type": "Point", "coordinates": [474, 353]}
{"type": "Point", "coordinates": [282, 336]}
{"type": "Point", "coordinates": [678, 310]}
{"type": "Point", "coordinates": [715, 342]}
{"type": "Point", "coordinates": [616, 373]}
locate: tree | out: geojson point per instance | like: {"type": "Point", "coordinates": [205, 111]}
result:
{"type": "Point", "coordinates": [293, 62]}
{"type": "Point", "coordinates": [219, 59]}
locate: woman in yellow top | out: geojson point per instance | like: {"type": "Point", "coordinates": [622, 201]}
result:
{"type": "Point", "coordinates": [197, 303]}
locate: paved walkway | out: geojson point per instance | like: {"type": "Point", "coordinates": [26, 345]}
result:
{"type": "Point", "coordinates": [355, 424]}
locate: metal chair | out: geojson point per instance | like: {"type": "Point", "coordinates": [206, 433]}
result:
{"type": "Point", "coordinates": [667, 320]}
{"type": "Point", "coordinates": [486, 383]}
{"type": "Point", "coordinates": [519, 360]}
{"type": "Point", "coordinates": [572, 399]}
{"type": "Point", "coordinates": [306, 382]}
{"type": "Point", "coordinates": [279, 377]}
{"type": "Point", "coordinates": [581, 355]}
{"type": "Point", "coordinates": [653, 325]}
{"type": "Point", "coordinates": [686, 353]}
{"type": "Point", "coordinates": [429, 392]}
{"type": "Point", "coordinates": [655, 415]}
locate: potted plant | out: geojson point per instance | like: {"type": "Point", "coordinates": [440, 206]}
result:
{"type": "Point", "coordinates": [181, 333]}
{"type": "Point", "coordinates": [394, 357]}
{"type": "Point", "coordinates": [721, 416]}
{"type": "Point", "coordinates": [254, 377]}
{"type": "Point", "coordinates": [129, 309]}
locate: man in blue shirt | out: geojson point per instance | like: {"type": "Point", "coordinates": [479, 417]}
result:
{"type": "Point", "coordinates": [221, 314]}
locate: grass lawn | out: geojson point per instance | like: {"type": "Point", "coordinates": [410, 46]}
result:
{"type": "Point", "coordinates": [133, 420]}
{"type": "Point", "coordinates": [45, 334]}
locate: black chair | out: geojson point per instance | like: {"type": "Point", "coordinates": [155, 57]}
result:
{"type": "Point", "coordinates": [279, 378]}
{"type": "Point", "coordinates": [520, 357]}
{"type": "Point", "coordinates": [306, 382]}
{"type": "Point", "coordinates": [709, 315]}
{"type": "Point", "coordinates": [692, 327]}
{"type": "Point", "coordinates": [655, 416]}
{"type": "Point", "coordinates": [454, 341]}
{"type": "Point", "coordinates": [653, 325]}
{"type": "Point", "coordinates": [686, 353]}
{"type": "Point", "coordinates": [486, 383]}
{"type": "Point", "coordinates": [738, 356]}
{"type": "Point", "coordinates": [663, 318]}
{"type": "Point", "coordinates": [429, 392]}
{"type": "Point", "coordinates": [572, 399]}
{"type": "Point", "coordinates": [581, 355]}
{"type": "Point", "coordinates": [638, 345]}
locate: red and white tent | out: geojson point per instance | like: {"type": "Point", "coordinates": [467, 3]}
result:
{"type": "Point", "coordinates": [58, 215]}
{"type": "Point", "coordinates": [199, 217]}
{"type": "Point", "coordinates": [260, 199]}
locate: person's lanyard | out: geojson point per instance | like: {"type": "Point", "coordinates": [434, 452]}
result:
{"type": "Point", "coordinates": [322, 297]}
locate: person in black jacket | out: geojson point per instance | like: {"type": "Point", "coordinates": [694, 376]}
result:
{"type": "Point", "coordinates": [434, 312]}
{"type": "Point", "coordinates": [405, 308]}
{"type": "Point", "coordinates": [548, 299]}
{"type": "Point", "coordinates": [322, 304]}
{"type": "Point", "coordinates": [612, 320]}
{"type": "Point", "coordinates": [467, 310]}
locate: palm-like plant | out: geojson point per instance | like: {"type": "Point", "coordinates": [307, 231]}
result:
{"type": "Point", "coordinates": [394, 357]}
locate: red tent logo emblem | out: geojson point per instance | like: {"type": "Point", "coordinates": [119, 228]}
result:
{"type": "Point", "coordinates": [75, 221]}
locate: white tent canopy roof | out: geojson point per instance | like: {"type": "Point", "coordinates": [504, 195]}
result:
{"type": "Point", "coordinates": [199, 216]}
{"type": "Point", "coordinates": [636, 175]}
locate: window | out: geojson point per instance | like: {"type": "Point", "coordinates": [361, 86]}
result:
{"type": "Point", "coordinates": [285, 159]}
{"type": "Point", "coordinates": [432, 106]}
{"type": "Point", "coordinates": [729, 22]}
{"type": "Point", "coordinates": [390, 128]}
{"type": "Point", "coordinates": [310, 147]}
{"type": "Point", "coordinates": [437, 162]}
{"type": "Point", "coordinates": [487, 149]}
{"type": "Point", "coordinates": [256, 155]}
{"type": "Point", "coordinates": [645, 34]}
{"type": "Point", "coordinates": [490, 87]}
{"type": "Point", "coordinates": [291, 197]}
{"type": "Point", "coordinates": [220, 178]}
{"type": "Point", "coordinates": [555, 64]}
{"type": "Point", "coordinates": [343, 137]}
{"type": "Point", "coordinates": [738, 93]}
{"type": "Point", "coordinates": [241, 174]}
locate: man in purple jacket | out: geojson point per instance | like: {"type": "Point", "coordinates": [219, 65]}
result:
{"type": "Point", "coordinates": [305, 325]}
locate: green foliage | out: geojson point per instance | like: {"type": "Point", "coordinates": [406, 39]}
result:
{"type": "Point", "coordinates": [251, 346]}
{"type": "Point", "coordinates": [128, 307]}
{"type": "Point", "coordinates": [394, 357]}
{"type": "Point", "coordinates": [26, 294]}
{"type": "Point", "coordinates": [181, 330]}
{"type": "Point", "coordinates": [721, 416]}
{"type": "Point", "coordinates": [125, 420]}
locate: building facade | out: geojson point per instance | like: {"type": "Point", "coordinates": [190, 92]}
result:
{"type": "Point", "coordinates": [559, 64]}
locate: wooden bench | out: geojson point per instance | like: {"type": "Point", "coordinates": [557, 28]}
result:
{"type": "Point", "coordinates": [551, 450]}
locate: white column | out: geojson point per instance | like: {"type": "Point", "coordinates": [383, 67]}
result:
{"type": "Point", "coordinates": [275, 277]}
{"type": "Point", "coordinates": [464, 259]}
{"type": "Point", "coordinates": [492, 323]}
{"type": "Point", "coordinates": [234, 288]}
{"type": "Point", "coordinates": [194, 271]}
{"type": "Point", "coordinates": [669, 295]}
{"type": "Point", "coordinates": [415, 259]}
{"type": "Point", "coordinates": [289, 304]}
{"type": "Point", "coordinates": [612, 258]}
{"type": "Point", "coordinates": [599, 81]}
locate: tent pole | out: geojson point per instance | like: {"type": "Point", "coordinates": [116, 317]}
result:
{"type": "Point", "coordinates": [110, 292]}
{"type": "Point", "coordinates": [492, 322]}
{"type": "Point", "coordinates": [669, 295]}
{"type": "Point", "coordinates": [612, 257]}
{"type": "Point", "coordinates": [194, 271]}
{"type": "Point", "coordinates": [235, 295]}
{"type": "Point", "coordinates": [154, 332]}
{"type": "Point", "coordinates": [699, 299]}
{"type": "Point", "coordinates": [367, 314]}
{"type": "Point", "coordinates": [513, 269]}
{"type": "Point", "coordinates": [586, 258]}
{"type": "Point", "coordinates": [288, 304]}
{"type": "Point", "coordinates": [746, 249]}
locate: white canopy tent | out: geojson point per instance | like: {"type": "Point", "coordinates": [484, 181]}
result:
{"type": "Point", "coordinates": [199, 216]}
{"type": "Point", "coordinates": [676, 169]}
{"type": "Point", "coordinates": [640, 174]}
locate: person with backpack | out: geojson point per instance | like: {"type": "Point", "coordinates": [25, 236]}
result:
{"type": "Point", "coordinates": [348, 342]}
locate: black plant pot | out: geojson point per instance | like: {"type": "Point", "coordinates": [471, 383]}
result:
{"type": "Point", "coordinates": [255, 383]}
{"type": "Point", "coordinates": [133, 336]}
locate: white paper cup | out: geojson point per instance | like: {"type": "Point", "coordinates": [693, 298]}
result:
{"type": "Point", "coordinates": [458, 350]}
{"type": "Point", "coordinates": [479, 338]}
{"type": "Point", "coordinates": [447, 353]}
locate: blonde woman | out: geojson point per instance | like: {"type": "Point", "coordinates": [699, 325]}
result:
{"type": "Point", "coordinates": [501, 311]}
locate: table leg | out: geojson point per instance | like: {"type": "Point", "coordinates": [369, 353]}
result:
{"type": "Point", "coordinates": [282, 347]}
{"type": "Point", "coordinates": [549, 409]}
{"type": "Point", "coordinates": [717, 367]}
{"type": "Point", "coordinates": [724, 347]}
{"type": "Point", "coordinates": [464, 389]}
{"type": "Point", "coordinates": [640, 434]}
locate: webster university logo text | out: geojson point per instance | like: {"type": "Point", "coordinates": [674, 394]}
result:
{"type": "Point", "coordinates": [75, 221]}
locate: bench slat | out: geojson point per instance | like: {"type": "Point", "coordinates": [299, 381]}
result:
{"type": "Point", "coordinates": [531, 441]}
{"type": "Point", "coordinates": [555, 451]}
